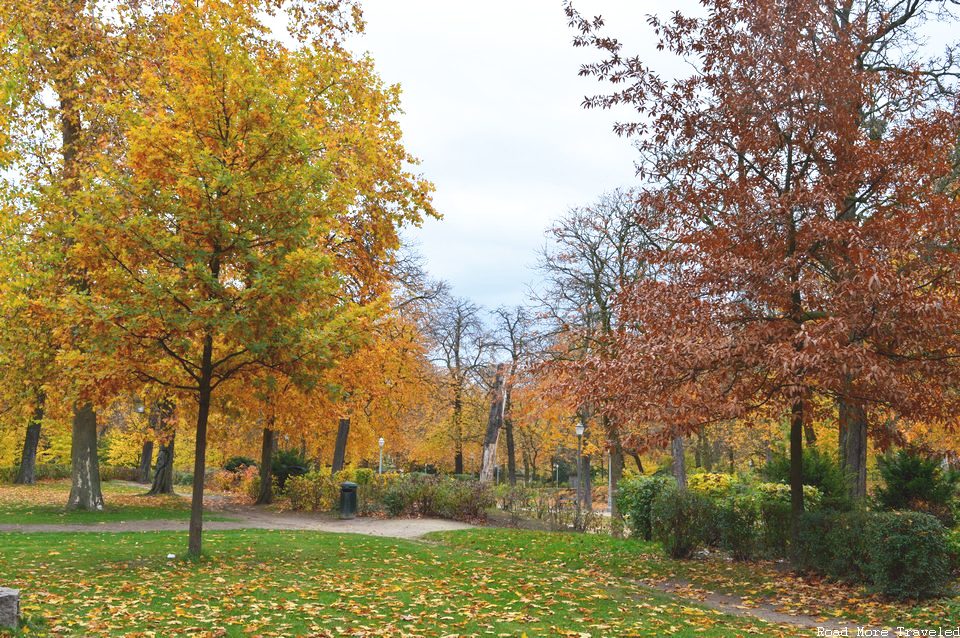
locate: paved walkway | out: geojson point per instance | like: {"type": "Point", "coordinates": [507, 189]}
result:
{"type": "Point", "coordinates": [253, 518]}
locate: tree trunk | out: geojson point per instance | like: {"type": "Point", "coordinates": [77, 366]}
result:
{"type": "Point", "coordinates": [679, 461]}
{"type": "Point", "coordinates": [586, 490]}
{"type": "Point", "coordinates": [27, 474]}
{"type": "Point", "coordinates": [146, 459]}
{"type": "Point", "coordinates": [85, 491]}
{"type": "Point", "coordinates": [616, 473]}
{"type": "Point", "coordinates": [853, 446]}
{"type": "Point", "coordinates": [340, 448]}
{"type": "Point", "coordinates": [494, 421]}
{"type": "Point", "coordinates": [636, 459]}
{"type": "Point", "coordinates": [161, 413]}
{"type": "Point", "coordinates": [195, 545]}
{"type": "Point", "coordinates": [796, 469]}
{"type": "Point", "coordinates": [508, 430]}
{"type": "Point", "coordinates": [810, 434]}
{"type": "Point", "coordinates": [163, 472]}
{"type": "Point", "coordinates": [458, 431]}
{"type": "Point", "coordinates": [267, 450]}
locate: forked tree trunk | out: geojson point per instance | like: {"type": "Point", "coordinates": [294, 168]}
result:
{"type": "Point", "coordinates": [161, 415]}
{"type": "Point", "coordinates": [27, 474]}
{"type": "Point", "coordinates": [679, 465]}
{"type": "Point", "coordinates": [853, 446]}
{"type": "Point", "coordinates": [494, 421]}
{"type": "Point", "coordinates": [267, 450]}
{"type": "Point", "coordinates": [340, 448]}
{"type": "Point", "coordinates": [616, 473]}
{"type": "Point", "coordinates": [146, 460]}
{"type": "Point", "coordinates": [163, 472]}
{"type": "Point", "coordinates": [85, 491]}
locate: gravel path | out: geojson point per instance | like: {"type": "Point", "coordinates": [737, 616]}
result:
{"type": "Point", "coordinates": [252, 518]}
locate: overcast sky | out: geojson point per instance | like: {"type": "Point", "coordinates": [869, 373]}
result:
{"type": "Point", "coordinates": [492, 106]}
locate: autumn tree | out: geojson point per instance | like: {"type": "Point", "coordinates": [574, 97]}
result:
{"type": "Point", "coordinates": [231, 211]}
{"type": "Point", "coordinates": [800, 170]}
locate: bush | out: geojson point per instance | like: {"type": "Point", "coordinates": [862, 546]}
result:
{"type": "Point", "coordinates": [182, 478]}
{"type": "Point", "coordinates": [912, 482]}
{"type": "Point", "coordinates": [713, 485]}
{"type": "Point", "coordinates": [739, 526]}
{"type": "Point", "coordinates": [819, 470]}
{"type": "Point", "coordinates": [287, 463]}
{"type": "Point", "coordinates": [235, 463]}
{"type": "Point", "coordinates": [775, 525]}
{"type": "Point", "coordinates": [679, 519]}
{"type": "Point", "coordinates": [635, 498]}
{"type": "Point", "coordinates": [445, 497]}
{"type": "Point", "coordinates": [119, 473]}
{"type": "Point", "coordinates": [363, 476]}
{"type": "Point", "coordinates": [953, 547]}
{"type": "Point", "coordinates": [905, 555]}
{"type": "Point", "coordinates": [779, 492]}
{"type": "Point", "coordinates": [42, 472]}
{"type": "Point", "coordinates": [313, 492]}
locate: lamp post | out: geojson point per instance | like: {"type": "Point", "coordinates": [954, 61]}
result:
{"type": "Point", "coordinates": [381, 441]}
{"type": "Point", "coordinates": [579, 429]}
{"type": "Point", "coordinates": [610, 483]}
{"type": "Point", "coordinates": [556, 471]}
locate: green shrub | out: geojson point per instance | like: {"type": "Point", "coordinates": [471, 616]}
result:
{"type": "Point", "coordinates": [635, 498]}
{"type": "Point", "coordinates": [953, 547]}
{"type": "Point", "coordinates": [419, 494]}
{"type": "Point", "coordinates": [912, 482]}
{"type": "Point", "coordinates": [819, 470]}
{"type": "Point", "coordinates": [775, 527]}
{"type": "Point", "coordinates": [363, 475]}
{"type": "Point", "coordinates": [287, 463]}
{"type": "Point", "coordinates": [905, 555]}
{"type": "Point", "coordinates": [781, 493]}
{"type": "Point", "coordinates": [235, 463]}
{"type": "Point", "coordinates": [42, 472]}
{"type": "Point", "coordinates": [739, 526]}
{"type": "Point", "coordinates": [910, 556]}
{"type": "Point", "coordinates": [679, 519]}
{"type": "Point", "coordinates": [182, 478]}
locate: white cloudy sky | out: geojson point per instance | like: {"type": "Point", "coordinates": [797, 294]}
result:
{"type": "Point", "coordinates": [492, 107]}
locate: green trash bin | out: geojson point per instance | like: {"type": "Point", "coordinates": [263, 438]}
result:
{"type": "Point", "coordinates": [348, 499]}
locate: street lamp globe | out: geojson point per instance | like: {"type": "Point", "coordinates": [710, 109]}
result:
{"type": "Point", "coordinates": [382, 441]}
{"type": "Point", "coordinates": [580, 428]}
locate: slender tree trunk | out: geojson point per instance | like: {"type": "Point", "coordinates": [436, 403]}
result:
{"type": "Point", "coordinates": [796, 469]}
{"type": "Point", "coordinates": [195, 546]}
{"type": "Point", "coordinates": [810, 434]}
{"type": "Point", "coordinates": [27, 474]}
{"type": "Point", "coordinates": [267, 450]}
{"type": "Point", "coordinates": [85, 491]}
{"type": "Point", "coordinates": [340, 448]}
{"type": "Point", "coordinates": [853, 446]}
{"type": "Point", "coordinates": [161, 415]}
{"type": "Point", "coordinates": [636, 459]}
{"type": "Point", "coordinates": [679, 461]}
{"type": "Point", "coordinates": [616, 473]}
{"type": "Point", "coordinates": [494, 421]}
{"type": "Point", "coordinates": [146, 461]}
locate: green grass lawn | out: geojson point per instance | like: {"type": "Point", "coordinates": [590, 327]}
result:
{"type": "Point", "coordinates": [308, 583]}
{"type": "Point", "coordinates": [44, 503]}
{"type": "Point", "coordinates": [756, 581]}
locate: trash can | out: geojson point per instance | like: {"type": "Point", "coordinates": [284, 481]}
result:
{"type": "Point", "coordinates": [348, 499]}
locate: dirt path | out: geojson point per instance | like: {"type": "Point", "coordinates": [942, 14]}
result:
{"type": "Point", "coordinates": [252, 518]}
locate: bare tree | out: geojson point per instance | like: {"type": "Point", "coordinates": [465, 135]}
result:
{"type": "Point", "coordinates": [592, 253]}
{"type": "Point", "coordinates": [461, 346]}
